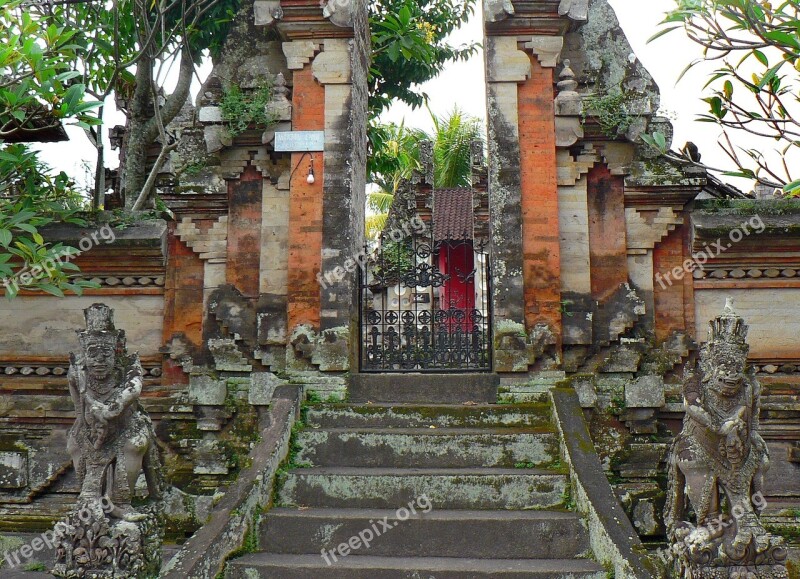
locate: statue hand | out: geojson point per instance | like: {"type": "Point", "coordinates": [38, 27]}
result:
{"type": "Point", "coordinates": [100, 412]}
{"type": "Point", "coordinates": [135, 369]}
{"type": "Point", "coordinates": [76, 374]}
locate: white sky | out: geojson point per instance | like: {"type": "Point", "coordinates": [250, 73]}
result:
{"type": "Point", "coordinates": [463, 84]}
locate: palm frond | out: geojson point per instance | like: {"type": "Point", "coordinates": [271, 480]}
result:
{"type": "Point", "coordinates": [380, 201]}
{"type": "Point", "coordinates": [374, 224]}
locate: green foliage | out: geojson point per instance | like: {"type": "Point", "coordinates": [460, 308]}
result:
{"type": "Point", "coordinates": [396, 156]}
{"type": "Point", "coordinates": [524, 465]}
{"type": "Point", "coordinates": [37, 77]}
{"type": "Point", "coordinates": [409, 47]}
{"type": "Point", "coordinates": [397, 258]}
{"type": "Point", "coordinates": [32, 198]}
{"type": "Point", "coordinates": [567, 499]}
{"type": "Point", "coordinates": [240, 108]}
{"type": "Point", "coordinates": [754, 90]}
{"type": "Point", "coordinates": [611, 112]}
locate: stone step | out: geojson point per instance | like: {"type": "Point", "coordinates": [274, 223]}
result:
{"type": "Point", "coordinates": [437, 533]}
{"type": "Point", "coordinates": [424, 388]}
{"type": "Point", "coordinates": [428, 447]}
{"type": "Point", "coordinates": [416, 416]}
{"type": "Point", "coordinates": [391, 488]}
{"type": "Point", "coordinates": [368, 567]}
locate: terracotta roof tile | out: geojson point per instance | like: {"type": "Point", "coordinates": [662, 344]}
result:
{"type": "Point", "coordinates": [452, 214]}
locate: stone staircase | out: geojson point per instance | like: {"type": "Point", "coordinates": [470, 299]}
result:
{"type": "Point", "coordinates": [438, 491]}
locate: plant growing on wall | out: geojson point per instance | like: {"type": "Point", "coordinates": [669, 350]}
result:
{"type": "Point", "coordinates": [241, 108]}
{"type": "Point", "coordinates": [611, 112]}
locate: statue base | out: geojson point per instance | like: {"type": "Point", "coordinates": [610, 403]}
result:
{"type": "Point", "coordinates": [92, 545]}
{"type": "Point", "coordinates": [704, 553]}
{"type": "Point", "coordinates": [746, 572]}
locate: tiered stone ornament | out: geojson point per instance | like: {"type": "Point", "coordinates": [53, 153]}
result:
{"type": "Point", "coordinates": [717, 467]}
{"type": "Point", "coordinates": [111, 442]}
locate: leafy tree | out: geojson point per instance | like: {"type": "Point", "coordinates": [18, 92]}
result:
{"type": "Point", "coordinates": [127, 48]}
{"type": "Point", "coordinates": [398, 158]}
{"type": "Point", "coordinates": [409, 47]}
{"type": "Point", "coordinates": [32, 198]}
{"type": "Point", "coordinates": [39, 90]}
{"type": "Point", "coordinates": [37, 81]}
{"type": "Point", "coordinates": [754, 90]}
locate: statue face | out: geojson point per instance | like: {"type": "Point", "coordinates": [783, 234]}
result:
{"type": "Point", "coordinates": [100, 360]}
{"type": "Point", "coordinates": [728, 375]}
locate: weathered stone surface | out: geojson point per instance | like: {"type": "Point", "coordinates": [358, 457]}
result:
{"type": "Point", "coordinates": [13, 470]}
{"type": "Point", "coordinates": [111, 441]}
{"type": "Point", "coordinates": [720, 455]}
{"type": "Point", "coordinates": [207, 390]}
{"type": "Point", "coordinates": [611, 534]}
{"type": "Point", "coordinates": [262, 387]}
{"type": "Point", "coordinates": [645, 392]}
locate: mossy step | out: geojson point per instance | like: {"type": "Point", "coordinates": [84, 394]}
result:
{"type": "Point", "coordinates": [418, 416]}
{"type": "Point", "coordinates": [428, 447]}
{"type": "Point", "coordinates": [435, 533]}
{"type": "Point", "coordinates": [455, 488]}
{"type": "Point", "coordinates": [265, 565]}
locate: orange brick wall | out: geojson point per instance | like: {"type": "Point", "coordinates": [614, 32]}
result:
{"type": "Point", "coordinates": [540, 242]}
{"type": "Point", "coordinates": [183, 300]}
{"type": "Point", "coordinates": [607, 241]}
{"type": "Point", "coordinates": [670, 300]}
{"type": "Point", "coordinates": [305, 209]}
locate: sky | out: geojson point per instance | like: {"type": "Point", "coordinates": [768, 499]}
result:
{"type": "Point", "coordinates": [462, 84]}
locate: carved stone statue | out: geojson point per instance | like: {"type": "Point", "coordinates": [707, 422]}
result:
{"type": "Point", "coordinates": [111, 442]}
{"type": "Point", "coordinates": [718, 462]}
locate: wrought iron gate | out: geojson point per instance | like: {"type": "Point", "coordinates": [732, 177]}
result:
{"type": "Point", "coordinates": [424, 303]}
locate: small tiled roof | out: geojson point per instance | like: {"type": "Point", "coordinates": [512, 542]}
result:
{"type": "Point", "coordinates": [452, 214]}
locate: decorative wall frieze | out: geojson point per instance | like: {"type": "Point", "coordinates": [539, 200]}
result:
{"type": "Point", "coordinates": [211, 245]}
{"type": "Point", "coordinates": [644, 234]}
{"type": "Point", "coordinates": [775, 366]}
{"type": "Point", "coordinates": [125, 281]}
{"type": "Point", "coordinates": [745, 272]}
{"type": "Point", "coordinates": [33, 369]}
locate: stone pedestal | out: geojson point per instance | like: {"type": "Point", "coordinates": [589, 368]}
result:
{"type": "Point", "coordinates": [707, 552]}
{"type": "Point", "coordinates": [92, 545]}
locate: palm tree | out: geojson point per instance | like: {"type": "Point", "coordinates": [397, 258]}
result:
{"type": "Point", "coordinates": [396, 156]}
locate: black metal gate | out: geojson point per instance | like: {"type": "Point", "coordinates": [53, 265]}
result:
{"type": "Point", "coordinates": [424, 302]}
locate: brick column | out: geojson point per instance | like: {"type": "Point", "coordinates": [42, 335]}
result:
{"type": "Point", "coordinates": [523, 192]}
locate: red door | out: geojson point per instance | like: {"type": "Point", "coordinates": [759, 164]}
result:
{"type": "Point", "coordinates": [457, 260]}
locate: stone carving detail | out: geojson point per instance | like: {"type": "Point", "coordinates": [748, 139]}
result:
{"type": "Point", "coordinates": [717, 464]}
{"type": "Point", "coordinates": [111, 442]}
{"type": "Point", "coordinates": [497, 10]}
